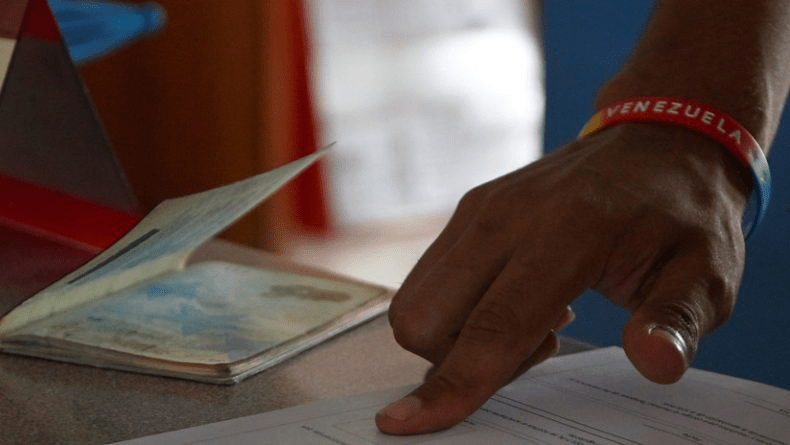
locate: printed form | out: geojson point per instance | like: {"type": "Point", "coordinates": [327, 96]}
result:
{"type": "Point", "coordinates": [590, 398]}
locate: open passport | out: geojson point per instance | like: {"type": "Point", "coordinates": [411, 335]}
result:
{"type": "Point", "coordinates": [140, 306]}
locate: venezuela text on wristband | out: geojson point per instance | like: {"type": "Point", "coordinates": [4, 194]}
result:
{"type": "Point", "coordinates": [706, 120]}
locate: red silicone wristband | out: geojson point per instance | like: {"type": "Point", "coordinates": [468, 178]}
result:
{"type": "Point", "coordinates": [703, 119]}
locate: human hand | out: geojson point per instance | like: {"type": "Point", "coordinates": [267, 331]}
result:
{"type": "Point", "coordinates": [648, 215]}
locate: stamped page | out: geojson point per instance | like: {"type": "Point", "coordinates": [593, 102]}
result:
{"type": "Point", "coordinates": [161, 242]}
{"type": "Point", "coordinates": [211, 313]}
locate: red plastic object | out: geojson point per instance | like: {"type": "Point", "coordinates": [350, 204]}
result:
{"type": "Point", "coordinates": [39, 22]}
{"type": "Point", "coordinates": [61, 217]}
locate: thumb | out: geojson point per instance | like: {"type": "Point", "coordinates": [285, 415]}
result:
{"type": "Point", "coordinates": [689, 298]}
{"type": "Point", "coordinates": [658, 350]}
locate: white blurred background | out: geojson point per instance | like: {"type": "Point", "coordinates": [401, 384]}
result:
{"type": "Point", "coordinates": [425, 99]}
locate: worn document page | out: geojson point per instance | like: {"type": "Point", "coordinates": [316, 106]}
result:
{"type": "Point", "coordinates": [591, 398]}
{"type": "Point", "coordinates": [210, 313]}
{"type": "Point", "coordinates": [161, 242]}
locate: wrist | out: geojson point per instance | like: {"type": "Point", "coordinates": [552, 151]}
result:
{"type": "Point", "coordinates": [699, 157]}
{"type": "Point", "coordinates": [685, 160]}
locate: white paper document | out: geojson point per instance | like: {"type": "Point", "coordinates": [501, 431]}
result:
{"type": "Point", "coordinates": [591, 398]}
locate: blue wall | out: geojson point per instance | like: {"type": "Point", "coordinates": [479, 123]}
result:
{"type": "Point", "coordinates": [586, 41]}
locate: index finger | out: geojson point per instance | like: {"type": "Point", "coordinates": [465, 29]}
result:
{"type": "Point", "coordinates": [507, 326]}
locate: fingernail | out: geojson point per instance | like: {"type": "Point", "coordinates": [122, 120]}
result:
{"type": "Point", "coordinates": [404, 409]}
{"type": "Point", "coordinates": [567, 318]}
{"type": "Point", "coordinates": [672, 336]}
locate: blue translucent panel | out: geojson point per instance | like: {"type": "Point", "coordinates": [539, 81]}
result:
{"type": "Point", "coordinates": [94, 28]}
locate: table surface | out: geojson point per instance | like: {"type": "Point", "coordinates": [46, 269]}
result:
{"type": "Point", "coordinates": [48, 402]}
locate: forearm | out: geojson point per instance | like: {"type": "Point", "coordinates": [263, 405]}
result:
{"type": "Point", "coordinates": [731, 54]}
